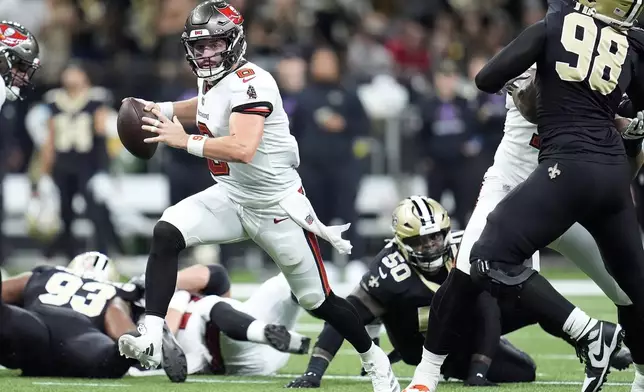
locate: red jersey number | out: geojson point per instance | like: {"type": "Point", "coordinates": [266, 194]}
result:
{"type": "Point", "coordinates": [217, 168]}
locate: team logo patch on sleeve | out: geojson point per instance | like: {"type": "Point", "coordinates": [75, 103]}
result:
{"type": "Point", "coordinates": [252, 94]}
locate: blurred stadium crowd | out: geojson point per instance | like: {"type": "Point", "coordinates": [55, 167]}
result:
{"type": "Point", "coordinates": [379, 93]}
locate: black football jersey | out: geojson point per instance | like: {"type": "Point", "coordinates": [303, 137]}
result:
{"type": "Point", "coordinates": [57, 286]}
{"type": "Point", "coordinates": [75, 141]}
{"type": "Point", "coordinates": [403, 293]}
{"type": "Point", "coordinates": [584, 68]}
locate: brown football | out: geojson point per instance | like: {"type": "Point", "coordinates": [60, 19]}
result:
{"type": "Point", "coordinates": [129, 129]}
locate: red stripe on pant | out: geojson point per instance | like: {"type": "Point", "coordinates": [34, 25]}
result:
{"type": "Point", "coordinates": [312, 240]}
{"type": "Point", "coordinates": [317, 255]}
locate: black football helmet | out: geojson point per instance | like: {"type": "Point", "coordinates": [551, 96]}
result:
{"type": "Point", "coordinates": [213, 38]}
{"type": "Point", "coordinates": [18, 58]}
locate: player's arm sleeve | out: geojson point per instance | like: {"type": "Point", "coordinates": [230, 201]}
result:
{"type": "Point", "coordinates": [257, 96]}
{"type": "Point", "coordinates": [513, 60]}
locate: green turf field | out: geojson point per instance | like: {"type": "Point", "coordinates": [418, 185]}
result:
{"type": "Point", "coordinates": [558, 369]}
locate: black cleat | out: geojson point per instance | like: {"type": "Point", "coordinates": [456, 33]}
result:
{"type": "Point", "coordinates": [279, 338]}
{"type": "Point", "coordinates": [174, 361]}
{"type": "Point", "coordinates": [596, 349]}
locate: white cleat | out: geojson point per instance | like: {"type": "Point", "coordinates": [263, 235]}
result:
{"type": "Point", "coordinates": [382, 376]}
{"type": "Point", "coordinates": [140, 346]}
{"type": "Point", "coordinates": [638, 383]}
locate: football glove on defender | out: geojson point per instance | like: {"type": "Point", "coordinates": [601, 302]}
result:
{"type": "Point", "coordinates": [635, 129]}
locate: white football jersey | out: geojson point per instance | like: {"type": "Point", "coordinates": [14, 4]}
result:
{"type": "Point", "coordinates": [271, 175]}
{"type": "Point", "coordinates": [3, 92]}
{"type": "Point", "coordinates": [516, 156]}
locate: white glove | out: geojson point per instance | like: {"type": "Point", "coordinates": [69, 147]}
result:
{"type": "Point", "coordinates": [635, 129]}
{"type": "Point", "coordinates": [46, 187]}
{"type": "Point", "coordinates": [515, 83]}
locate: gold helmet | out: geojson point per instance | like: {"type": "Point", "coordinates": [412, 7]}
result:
{"type": "Point", "coordinates": [421, 229]}
{"type": "Point", "coordinates": [622, 13]}
{"type": "Point", "coordinates": [94, 265]}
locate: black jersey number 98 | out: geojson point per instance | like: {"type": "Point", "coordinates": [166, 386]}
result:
{"type": "Point", "coordinates": [602, 71]}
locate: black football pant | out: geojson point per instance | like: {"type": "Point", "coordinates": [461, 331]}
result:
{"type": "Point", "coordinates": [24, 342]}
{"type": "Point", "coordinates": [79, 348]}
{"type": "Point", "coordinates": [556, 195]}
{"type": "Point", "coordinates": [69, 184]}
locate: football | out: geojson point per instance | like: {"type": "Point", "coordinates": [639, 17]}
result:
{"type": "Point", "coordinates": [129, 129]}
{"type": "Point", "coordinates": [525, 98]}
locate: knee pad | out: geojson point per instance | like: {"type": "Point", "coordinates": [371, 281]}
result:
{"type": "Point", "coordinates": [311, 300]}
{"type": "Point", "coordinates": [167, 237]}
{"type": "Point", "coordinates": [499, 279]}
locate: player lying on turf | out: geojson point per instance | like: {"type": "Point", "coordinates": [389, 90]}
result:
{"type": "Point", "coordinates": [84, 310]}
{"type": "Point", "coordinates": [398, 289]}
{"type": "Point", "coordinates": [225, 336]}
{"type": "Point", "coordinates": [258, 197]}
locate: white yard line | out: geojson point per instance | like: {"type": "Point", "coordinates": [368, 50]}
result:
{"type": "Point", "coordinates": [78, 384]}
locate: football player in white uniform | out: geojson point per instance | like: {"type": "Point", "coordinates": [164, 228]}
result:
{"type": "Point", "coordinates": [258, 196]}
{"type": "Point", "coordinates": [222, 335]}
{"type": "Point", "coordinates": [18, 60]}
{"type": "Point", "coordinates": [515, 159]}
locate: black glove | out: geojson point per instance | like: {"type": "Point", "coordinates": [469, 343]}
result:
{"type": "Point", "coordinates": [477, 381]}
{"type": "Point", "coordinates": [307, 380]}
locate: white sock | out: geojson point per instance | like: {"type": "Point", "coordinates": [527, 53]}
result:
{"type": "Point", "coordinates": [578, 323]}
{"type": "Point", "coordinates": [296, 341]}
{"type": "Point", "coordinates": [255, 332]}
{"type": "Point", "coordinates": [153, 325]}
{"type": "Point", "coordinates": [369, 354]}
{"type": "Point", "coordinates": [430, 365]}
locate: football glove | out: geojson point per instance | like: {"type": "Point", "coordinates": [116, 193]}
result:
{"type": "Point", "coordinates": [635, 129]}
{"type": "Point", "coordinates": [514, 84]}
{"type": "Point", "coordinates": [477, 381]}
{"type": "Point", "coordinates": [307, 380]}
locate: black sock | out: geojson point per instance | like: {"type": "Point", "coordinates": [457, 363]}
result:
{"type": "Point", "coordinates": [344, 317]}
{"type": "Point", "coordinates": [633, 324]}
{"type": "Point", "coordinates": [317, 365]}
{"type": "Point", "coordinates": [230, 321]}
{"type": "Point", "coordinates": [161, 271]}
{"type": "Point", "coordinates": [539, 296]}
{"type": "Point", "coordinates": [451, 311]}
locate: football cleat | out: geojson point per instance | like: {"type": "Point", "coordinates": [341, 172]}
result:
{"type": "Point", "coordinates": [622, 359]}
{"type": "Point", "coordinates": [141, 346]}
{"type": "Point", "coordinates": [174, 362]}
{"type": "Point", "coordinates": [307, 380]}
{"type": "Point", "coordinates": [418, 388]}
{"type": "Point", "coordinates": [379, 369]}
{"type": "Point", "coordinates": [596, 349]}
{"type": "Point", "coordinates": [281, 339]}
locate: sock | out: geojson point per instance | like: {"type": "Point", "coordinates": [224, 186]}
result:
{"type": "Point", "coordinates": [478, 369]}
{"type": "Point", "coordinates": [236, 324]}
{"type": "Point", "coordinates": [317, 366]}
{"type": "Point", "coordinates": [296, 341]}
{"type": "Point", "coordinates": [344, 317]}
{"type": "Point", "coordinates": [161, 271]}
{"type": "Point", "coordinates": [153, 324]}
{"type": "Point", "coordinates": [430, 365]}
{"type": "Point", "coordinates": [255, 332]}
{"type": "Point", "coordinates": [370, 354]}
{"type": "Point", "coordinates": [578, 323]}
{"type": "Point", "coordinates": [539, 296]}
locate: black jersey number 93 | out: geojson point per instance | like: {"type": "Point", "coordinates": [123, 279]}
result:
{"type": "Point", "coordinates": [63, 290]}
{"type": "Point", "coordinates": [600, 52]}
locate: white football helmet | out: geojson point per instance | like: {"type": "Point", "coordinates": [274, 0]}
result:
{"type": "Point", "coordinates": [94, 265]}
